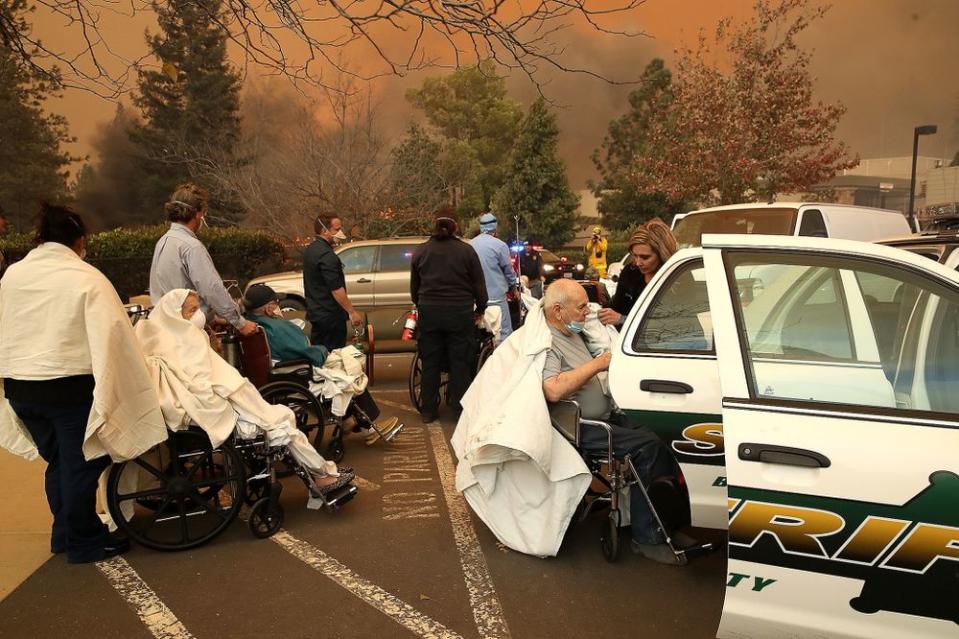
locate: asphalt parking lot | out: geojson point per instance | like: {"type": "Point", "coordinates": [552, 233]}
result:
{"type": "Point", "coordinates": [406, 557]}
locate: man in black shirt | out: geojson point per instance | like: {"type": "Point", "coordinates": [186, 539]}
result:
{"type": "Point", "coordinates": [448, 288]}
{"type": "Point", "coordinates": [327, 304]}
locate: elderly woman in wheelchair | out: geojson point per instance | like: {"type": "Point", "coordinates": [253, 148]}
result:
{"type": "Point", "coordinates": [224, 438]}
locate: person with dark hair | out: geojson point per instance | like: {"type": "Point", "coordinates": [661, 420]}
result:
{"type": "Point", "coordinates": [76, 389]}
{"type": "Point", "coordinates": [449, 290]}
{"type": "Point", "coordinates": [180, 260]}
{"type": "Point", "coordinates": [327, 304]}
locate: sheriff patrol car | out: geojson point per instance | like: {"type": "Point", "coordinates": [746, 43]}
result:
{"type": "Point", "coordinates": [810, 390]}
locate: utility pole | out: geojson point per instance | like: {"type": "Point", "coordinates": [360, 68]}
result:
{"type": "Point", "coordinates": [926, 129]}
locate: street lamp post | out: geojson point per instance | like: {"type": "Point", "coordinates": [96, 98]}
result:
{"type": "Point", "coordinates": [926, 129]}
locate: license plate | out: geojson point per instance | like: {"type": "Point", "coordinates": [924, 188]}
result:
{"type": "Point", "coordinates": [569, 275]}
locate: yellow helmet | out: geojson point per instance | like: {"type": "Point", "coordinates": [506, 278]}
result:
{"type": "Point", "coordinates": [597, 230]}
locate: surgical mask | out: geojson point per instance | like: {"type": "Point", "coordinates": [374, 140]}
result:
{"type": "Point", "coordinates": [199, 319]}
{"type": "Point", "coordinates": [203, 222]}
{"type": "Point", "coordinates": [275, 311]}
{"type": "Point", "coordinates": [575, 326]}
{"type": "Point", "coordinates": [338, 237]}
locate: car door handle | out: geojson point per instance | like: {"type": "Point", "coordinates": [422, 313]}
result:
{"type": "Point", "coordinates": [665, 386]}
{"type": "Point", "coordinates": [785, 455]}
{"type": "Point", "coordinates": [363, 280]}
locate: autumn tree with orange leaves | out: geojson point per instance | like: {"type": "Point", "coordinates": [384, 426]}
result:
{"type": "Point", "coordinates": [744, 123]}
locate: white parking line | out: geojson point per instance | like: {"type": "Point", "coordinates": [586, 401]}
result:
{"type": "Point", "coordinates": [159, 620]}
{"type": "Point", "coordinates": [487, 611]}
{"type": "Point", "coordinates": [405, 407]}
{"type": "Point", "coordinates": [390, 605]}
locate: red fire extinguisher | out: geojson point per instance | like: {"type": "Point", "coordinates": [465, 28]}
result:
{"type": "Point", "coordinates": [409, 326]}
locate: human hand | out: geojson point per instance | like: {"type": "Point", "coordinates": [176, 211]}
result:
{"type": "Point", "coordinates": [248, 328]}
{"type": "Point", "coordinates": [356, 319]}
{"type": "Point", "coordinates": [608, 316]}
{"type": "Point", "coordinates": [602, 361]}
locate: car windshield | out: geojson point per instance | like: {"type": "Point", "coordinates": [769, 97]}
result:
{"type": "Point", "coordinates": [549, 256]}
{"type": "Point", "coordinates": [760, 221]}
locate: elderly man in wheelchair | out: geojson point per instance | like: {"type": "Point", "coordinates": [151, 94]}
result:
{"type": "Point", "coordinates": [620, 454]}
{"type": "Point", "coordinates": [539, 434]}
{"type": "Point", "coordinates": [223, 442]}
{"type": "Point", "coordinates": [331, 376]}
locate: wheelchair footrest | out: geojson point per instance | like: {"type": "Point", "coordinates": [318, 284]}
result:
{"type": "Point", "coordinates": [333, 499]}
{"type": "Point", "coordinates": [700, 549]}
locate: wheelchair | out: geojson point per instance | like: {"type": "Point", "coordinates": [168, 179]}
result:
{"type": "Point", "coordinates": [615, 476]}
{"type": "Point", "coordinates": [484, 340]}
{"type": "Point", "coordinates": [185, 491]}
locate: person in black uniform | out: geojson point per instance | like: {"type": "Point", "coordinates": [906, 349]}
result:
{"type": "Point", "coordinates": [650, 246]}
{"type": "Point", "coordinates": [327, 304]}
{"type": "Point", "coordinates": [448, 288]}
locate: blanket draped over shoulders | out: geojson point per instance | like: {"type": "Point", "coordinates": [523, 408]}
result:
{"type": "Point", "coordinates": [519, 475]}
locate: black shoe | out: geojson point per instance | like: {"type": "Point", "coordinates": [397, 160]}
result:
{"type": "Point", "coordinates": [116, 547]}
{"type": "Point", "coordinates": [429, 417]}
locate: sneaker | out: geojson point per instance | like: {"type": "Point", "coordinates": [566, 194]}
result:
{"type": "Point", "coordinates": [384, 428]}
{"type": "Point", "coordinates": [660, 553]}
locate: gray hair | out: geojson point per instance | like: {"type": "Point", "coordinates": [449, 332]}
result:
{"type": "Point", "coordinates": [558, 293]}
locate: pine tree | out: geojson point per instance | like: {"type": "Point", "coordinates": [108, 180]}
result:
{"type": "Point", "coordinates": [621, 203]}
{"type": "Point", "coordinates": [471, 110]}
{"type": "Point", "coordinates": [537, 188]}
{"type": "Point", "coordinates": [190, 106]}
{"type": "Point", "coordinates": [34, 163]}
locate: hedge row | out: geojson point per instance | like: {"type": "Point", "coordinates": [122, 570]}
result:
{"type": "Point", "coordinates": [124, 255]}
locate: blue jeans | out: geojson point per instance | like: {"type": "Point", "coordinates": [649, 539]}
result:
{"type": "Point", "coordinates": [652, 460]}
{"type": "Point", "coordinates": [71, 480]}
{"type": "Point", "coordinates": [506, 323]}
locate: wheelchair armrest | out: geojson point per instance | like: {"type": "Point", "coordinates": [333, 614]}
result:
{"type": "Point", "coordinates": [595, 423]}
{"type": "Point", "coordinates": [293, 364]}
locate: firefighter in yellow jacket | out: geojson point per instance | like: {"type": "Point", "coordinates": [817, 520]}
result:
{"type": "Point", "coordinates": [596, 251]}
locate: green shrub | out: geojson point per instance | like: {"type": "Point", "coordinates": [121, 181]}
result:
{"type": "Point", "coordinates": [124, 255]}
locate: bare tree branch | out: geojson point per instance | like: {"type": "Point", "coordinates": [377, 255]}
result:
{"type": "Point", "coordinates": [299, 40]}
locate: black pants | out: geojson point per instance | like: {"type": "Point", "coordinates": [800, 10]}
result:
{"type": "Point", "coordinates": [652, 460]}
{"type": "Point", "coordinates": [328, 331]}
{"type": "Point", "coordinates": [447, 341]}
{"type": "Point", "coordinates": [363, 408]}
{"type": "Point", "coordinates": [71, 480]}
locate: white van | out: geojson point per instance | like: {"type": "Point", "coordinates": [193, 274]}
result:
{"type": "Point", "coordinates": [808, 219]}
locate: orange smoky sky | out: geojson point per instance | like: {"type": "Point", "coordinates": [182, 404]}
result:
{"type": "Point", "coordinates": [891, 62]}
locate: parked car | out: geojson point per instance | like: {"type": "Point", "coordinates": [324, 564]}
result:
{"type": "Point", "coordinates": [937, 246]}
{"type": "Point", "coordinates": [807, 388]}
{"type": "Point", "coordinates": [557, 267]}
{"type": "Point", "coordinates": [377, 280]}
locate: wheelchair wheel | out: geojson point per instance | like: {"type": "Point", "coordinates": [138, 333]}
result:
{"type": "Point", "coordinates": [304, 404]}
{"type": "Point", "coordinates": [486, 349]}
{"type": "Point", "coordinates": [416, 382]}
{"type": "Point", "coordinates": [265, 521]}
{"type": "Point", "coordinates": [610, 538]}
{"type": "Point", "coordinates": [179, 495]}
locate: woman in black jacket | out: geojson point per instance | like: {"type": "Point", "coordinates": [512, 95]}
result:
{"type": "Point", "coordinates": [448, 288]}
{"type": "Point", "coordinates": [651, 246]}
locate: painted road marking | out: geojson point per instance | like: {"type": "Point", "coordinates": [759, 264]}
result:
{"type": "Point", "coordinates": [387, 603]}
{"type": "Point", "coordinates": [407, 461]}
{"type": "Point", "coordinates": [365, 484]}
{"type": "Point", "coordinates": [159, 620]}
{"type": "Point", "coordinates": [407, 408]}
{"type": "Point", "coordinates": [487, 611]}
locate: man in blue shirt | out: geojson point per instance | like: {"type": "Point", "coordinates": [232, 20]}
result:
{"type": "Point", "coordinates": [497, 268]}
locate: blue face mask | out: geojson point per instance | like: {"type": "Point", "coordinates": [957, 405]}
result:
{"type": "Point", "coordinates": [575, 327]}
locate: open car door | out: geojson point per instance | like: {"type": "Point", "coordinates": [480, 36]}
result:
{"type": "Point", "coordinates": [840, 384]}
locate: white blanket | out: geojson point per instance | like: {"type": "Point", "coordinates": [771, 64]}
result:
{"type": "Point", "coordinates": [517, 473]}
{"type": "Point", "coordinates": [46, 300]}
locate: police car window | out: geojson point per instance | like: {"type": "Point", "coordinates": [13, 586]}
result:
{"type": "Point", "coordinates": [395, 257]}
{"type": "Point", "coordinates": [678, 319]}
{"type": "Point", "coordinates": [812, 224]}
{"type": "Point", "coordinates": [850, 331]}
{"type": "Point", "coordinates": [358, 259]}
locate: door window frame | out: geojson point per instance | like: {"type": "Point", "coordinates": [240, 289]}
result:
{"type": "Point", "coordinates": [373, 264]}
{"type": "Point", "coordinates": [917, 417]}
